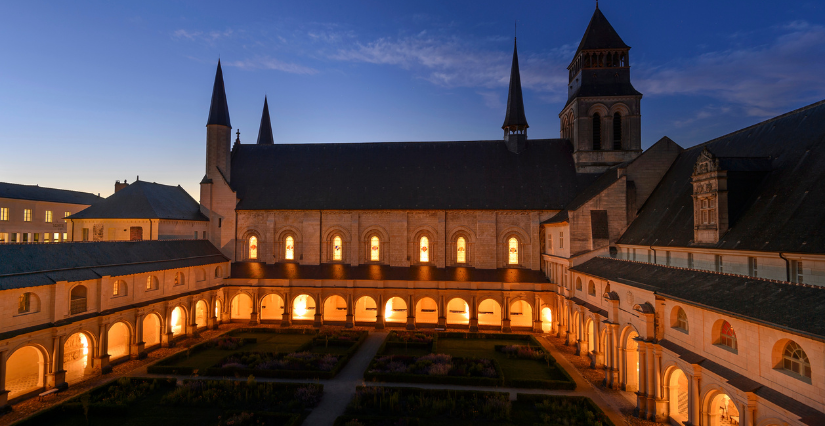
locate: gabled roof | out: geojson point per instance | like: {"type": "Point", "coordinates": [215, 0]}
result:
{"type": "Point", "coordinates": [219, 108]}
{"type": "Point", "coordinates": [600, 35]}
{"type": "Point", "coordinates": [38, 193]}
{"type": "Point", "coordinates": [406, 175]}
{"type": "Point", "coordinates": [779, 210]}
{"type": "Point", "coordinates": [265, 131]}
{"type": "Point", "coordinates": [29, 265]}
{"type": "Point", "coordinates": [515, 117]}
{"type": "Point", "coordinates": [145, 200]}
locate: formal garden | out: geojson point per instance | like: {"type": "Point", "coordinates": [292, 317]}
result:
{"type": "Point", "coordinates": [267, 352]}
{"type": "Point", "coordinates": [476, 359]}
{"type": "Point", "coordinates": [144, 401]}
{"type": "Point", "coordinates": [388, 406]}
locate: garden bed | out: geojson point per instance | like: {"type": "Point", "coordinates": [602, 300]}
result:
{"type": "Point", "coordinates": [435, 368]}
{"type": "Point", "coordinates": [141, 401]}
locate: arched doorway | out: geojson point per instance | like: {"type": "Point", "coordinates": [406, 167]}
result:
{"type": "Point", "coordinates": [77, 356]}
{"type": "Point", "coordinates": [218, 309]}
{"type": "Point", "coordinates": [720, 410]}
{"type": "Point", "coordinates": [631, 365]}
{"type": "Point", "coordinates": [201, 310]}
{"type": "Point", "coordinates": [426, 311]}
{"type": "Point", "coordinates": [395, 310]}
{"type": "Point", "coordinates": [521, 314]}
{"type": "Point", "coordinates": [678, 396]}
{"type": "Point", "coordinates": [178, 321]}
{"type": "Point", "coordinates": [489, 313]}
{"type": "Point", "coordinates": [546, 320]}
{"type": "Point", "coordinates": [335, 309]}
{"type": "Point", "coordinates": [272, 307]}
{"type": "Point", "coordinates": [303, 308]}
{"type": "Point", "coordinates": [151, 330]}
{"type": "Point", "coordinates": [458, 312]}
{"type": "Point", "coordinates": [241, 307]}
{"type": "Point", "coordinates": [119, 340]}
{"type": "Point", "coordinates": [366, 310]}
{"type": "Point", "coordinates": [591, 335]}
{"type": "Point", "coordinates": [25, 370]}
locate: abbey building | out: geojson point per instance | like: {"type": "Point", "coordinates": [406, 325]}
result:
{"type": "Point", "coordinates": [691, 277]}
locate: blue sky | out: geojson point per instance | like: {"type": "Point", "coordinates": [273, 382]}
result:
{"type": "Point", "coordinates": [91, 92]}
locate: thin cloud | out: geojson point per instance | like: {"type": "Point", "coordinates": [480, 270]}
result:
{"type": "Point", "coordinates": [269, 63]}
{"type": "Point", "coordinates": [206, 36]}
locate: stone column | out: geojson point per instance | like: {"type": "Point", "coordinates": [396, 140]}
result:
{"type": "Point", "coordinates": [319, 311]}
{"type": "Point", "coordinates": [751, 410]}
{"type": "Point", "coordinates": [442, 312]}
{"type": "Point", "coordinates": [410, 313]}
{"type": "Point", "coordinates": [614, 347]}
{"type": "Point", "coordinates": [561, 329]}
{"type": "Point", "coordinates": [4, 394]}
{"type": "Point", "coordinates": [138, 345]}
{"type": "Point", "coordinates": [255, 316]}
{"type": "Point", "coordinates": [103, 349]}
{"type": "Point", "coordinates": [693, 414]}
{"type": "Point", "coordinates": [286, 317]}
{"type": "Point", "coordinates": [379, 315]}
{"type": "Point", "coordinates": [536, 314]}
{"type": "Point", "coordinates": [57, 377]}
{"type": "Point", "coordinates": [650, 392]}
{"type": "Point", "coordinates": [597, 358]}
{"type": "Point", "coordinates": [166, 332]}
{"type": "Point", "coordinates": [350, 309]}
{"type": "Point", "coordinates": [211, 315]}
{"type": "Point", "coordinates": [473, 315]}
{"type": "Point", "coordinates": [192, 330]}
{"type": "Point", "coordinates": [505, 312]}
{"type": "Point", "coordinates": [661, 407]}
{"type": "Point", "coordinates": [641, 392]}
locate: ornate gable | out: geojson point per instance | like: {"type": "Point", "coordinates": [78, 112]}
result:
{"type": "Point", "coordinates": [710, 199]}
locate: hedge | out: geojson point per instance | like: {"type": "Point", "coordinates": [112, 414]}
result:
{"type": "Point", "coordinates": [537, 398]}
{"type": "Point", "coordinates": [163, 366]}
{"type": "Point", "coordinates": [371, 420]}
{"type": "Point", "coordinates": [448, 380]}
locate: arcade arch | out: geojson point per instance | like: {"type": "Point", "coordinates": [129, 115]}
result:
{"type": "Point", "coordinates": [395, 310]}
{"type": "Point", "coordinates": [272, 307]}
{"type": "Point", "coordinates": [546, 320]}
{"type": "Point", "coordinates": [521, 314]}
{"type": "Point", "coordinates": [426, 311]}
{"type": "Point", "coordinates": [78, 351]}
{"type": "Point", "coordinates": [458, 312]}
{"type": "Point", "coordinates": [365, 309]}
{"type": "Point", "coordinates": [241, 307]}
{"type": "Point", "coordinates": [303, 307]}
{"type": "Point", "coordinates": [677, 393]}
{"type": "Point", "coordinates": [178, 321]}
{"type": "Point", "coordinates": [335, 309]}
{"type": "Point", "coordinates": [119, 337]}
{"type": "Point", "coordinates": [489, 313]}
{"type": "Point", "coordinates": [25, 371]}
{"type": "Point", "coordinates": [201, 312]}
{"type": "Point", "coordinates": [151, 330]}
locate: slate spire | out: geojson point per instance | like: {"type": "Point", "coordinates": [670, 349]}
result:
{"type": "Point", "coordinates": [219, 109]}
{"type": "Point", "coordinates": [600, 34]}
{"type": "Point", "coordinates": [515, 119]}
{"type": "Point", "coordinates": [265, 131]}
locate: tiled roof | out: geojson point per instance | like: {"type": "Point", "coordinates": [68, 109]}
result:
{"type": "Point", "coordinates": [145, 200]}
{"type": "Point", "coordinates": [39, 193]}
{"type": "Point", "coordinates": [600, 35]}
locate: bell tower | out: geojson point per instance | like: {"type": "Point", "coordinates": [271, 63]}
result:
{"type": "Point", "coordinates": [602, 117]}
{"type": "Point", "coordinates": [218, 132]}
{"type": "Point", "coordinates": [515, 123]}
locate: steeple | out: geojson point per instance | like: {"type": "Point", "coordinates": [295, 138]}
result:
{"type": "Point", "coordinates": [265, 131]}
{"type": "Point", "coordinates": [219, 109]}
{"type": "Point", "coordinates": [515, 123]}
{"type": "Point", "coordinates": [600, 34]}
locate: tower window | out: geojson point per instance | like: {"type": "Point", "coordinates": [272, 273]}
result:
{"type": "Point", "coordinates": [375, 249]}
{"type": "Point", "coordinates": [289, 254]}
{"type": "Point", "coordinates": [512, 251]}
{"type": "Point", "coordinates": [336, 248]}
{"type": "Point", "coordinates": [424, 250]}
{"type": "Point", "coordinates": [617, 131]}
{"type": "Point", "coordinates": [253, 247]}
{"type": "Point", "coordinates": [597, 131]}
{"type": "Point", "coordinates": [461, 250]}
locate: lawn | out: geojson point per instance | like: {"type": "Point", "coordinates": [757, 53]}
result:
{"type": "Point", "coordinates": [267, 342]}
{"type": "Point", "coordinates": [513, 369]}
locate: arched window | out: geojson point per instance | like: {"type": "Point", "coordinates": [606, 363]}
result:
{"type": "Point", "coordinates": [578, 284]}
{"type": "Point", "coordinates": [461, 250]}
{"type": "Point", "coordinates": [253, 247]}
{"type": "Point", "coordinates": [337, 248]}
{"type": "Point", "coordinates": [512, 251]}
{"type": "Point", "coordinates": [78, 300]}
{"type": "Point", "coordinates": [617, 131]}
{"type": "Point", "coordinates": [681, 320]}
{"type": "Point", "coordinates": [179, 279]}
{"type": "Point", "coordinates": [597, 131]}
{"type": "Point", "coordinates": [218, 272]}
{"type": "Point", "coordinates": [591, 288]}
{"type": "Point", "coordinates": [24, 303]}
{"type": "Point", "coordinates": [289, 247]}
{"type": "Point", "coordinates": [151, 282]}
{"type": "Point", "coordinates": [727, 337]}
{"type": "Point", "coordinates": [375, 249]}
{"type": "Point", "coordinates": [424, 249]}
{"type": "Point", "coordinates": [119, 288]}
{"type": "Point", "coordinates": [794, 359]}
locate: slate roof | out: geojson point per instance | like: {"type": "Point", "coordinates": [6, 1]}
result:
{"type": "Point", "coordinates": [265, 130]}
{"type": "Point", "coordinates": [515, 117]}
{"type": "Point", "coordinates": [787, 305]}
{"type": "Point", "coordinates": [600, 182]}
{"type": "Point", "coordinates": [145, 200]}
{"type": "Point", "coordinates": [219, 108]}
{"type": "Point", "coordinates": [256, 270]}
{"type": "Point", "coordinates": [39, 193]}
{"type": "Point", "coordinates": [777, 211]}
{"type": "Point", "coordinates": [29, 265]}
{"type": "Point", "coordinates": [600, 35]}
{"type": "Point", "coordinates": [406, 175]}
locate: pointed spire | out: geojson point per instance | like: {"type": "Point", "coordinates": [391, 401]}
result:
{"type": "Point", "coordinates": [219, 109]}
{"type": "Point", "coordinates": [600, 34]}
{"type": "Point", "coordinates": [265, 131]}
{"type": "Point", "coordinates": [515, 119]}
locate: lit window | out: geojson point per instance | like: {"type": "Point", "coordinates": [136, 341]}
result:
{"type": "Point", "coordinates": [116, 288]}
{"type": "Point", "coordinates": [512, 251]}
{"type": "Point", "coordinates": [799, 276]}
{"type": "Point", "coordinates": [47, 237]}
{"type": "Point", "coordinates": [4, 237]}
{"type": "Point", "coordinates": [681, 319]}
{"type": "Point", "coordinates": [424, 248]}
{"type": "Point", "coordinates": [24, 303]}
{"type": "Point", "coordinates": [151, 283]}
{"type": "Point", "coordinates": [48, 216]}
{"type": "Point", "coordinates": [727, 337]}
{"type": "Point", "coordinates": [253, 247]}
{"type": "Point", "coordinates": [794, 359]}
{"type": "Point", "coordinates": [4, 213]}
{"type": "Point", "coordinates": [27, 215]}
{"type": "Point", "coordinates": [375, 249]}
{"type": "Point", "coordinates": [67, 214]}
{"type": "Point", "coordinates": [461, 247]}
{"type": "Point", "coordinates": [290, 248]}
{"type": "Point", "coordinates": [336, 248]}
{"type": "Point", "coordinates": [65, 236]}
{"type": "Point", "coordinates": [179, 279]}
{"type": "Point", "coordinates": [56, 236]}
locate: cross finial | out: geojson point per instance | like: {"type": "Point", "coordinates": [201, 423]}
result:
{"type": "Point", "coordinates": [238, 139]}
{"type": "Point", "coordinates": [597, 4]}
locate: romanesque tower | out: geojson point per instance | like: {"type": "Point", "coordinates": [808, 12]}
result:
{"type": "Point", "coordinates": [602, 116]}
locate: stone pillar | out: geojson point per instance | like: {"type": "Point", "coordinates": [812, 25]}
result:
{"type": "Point", "coordinates": [138, 345]}
{"type": "Point", "coordinates": [192, 331]}
{"type": "Point", "coordinates": [536, 314]}
{"type": "Point", "coordinates": [561, 330]}
{"type": "Point", "coordinates": [581, 342]}
{"type": "Point", "coordinates": [286, 317]}
{"type": "Point", "coordinates": [166, 332]}
{"type": "Point", "coordinates": [614, 348]}
{"type": "Point", "coordinates": [410, 313]}
{"type": "Point", "coordinates": [660, 402]}
{"type": "Point", "coordinates": [597, 352]}
{"type": "Point", "coordinates": [693, 413]}
{"type": "Point", "coordinates": [4, 394]}
{"type": "Point", "coordinates": [442, 312]}
{"type": "Point", "coordinates": [319, 311]}
{"type": "Point", "coordinates": [255, 316]}
{"type": "Point", "coordinates": [751, 410]}
{"type": "Point", "coordinates": [505, 316]}
{"type": "Point", "coordinates": [103, 349]}
{"type": "Point", "coordinates": [379, 316]}
{"type": "Point", "coordinates": [57, 377]}
{"type": "Point", "coordinates": [641, 392]}
{"type": "Point", "coordinates": [650, 392]}
{"type": "Point", "coordinates": [350, 309]}
{"type": "Point", "coordinates": [473, 315]}
{"type": "Point", "coordinates": [211, 315]}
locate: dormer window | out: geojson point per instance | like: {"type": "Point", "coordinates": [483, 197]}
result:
{"type": "Point", "coordinates": [710, 199]}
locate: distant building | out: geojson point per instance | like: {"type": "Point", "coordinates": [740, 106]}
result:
{"type": "Point", "coordinates": [34, 214]}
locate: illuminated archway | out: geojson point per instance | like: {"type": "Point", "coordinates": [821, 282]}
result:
{"type": "Point", "coordinates": [25, 370]}
{"type": "Point", "coordinates": [591, 335]}
{"type": "Point", "coordinates": [303, 308]}
{"type": "Point", "coordinates": [426, 311]}
{"type": "Point", "coordinates": [366, 310]}
{"type": "Point", "coordinates": [151, 330]}
{"type": "Point", "coordinates": [272, 307]}
{"type": "Point", "coordinates": [521, 314]}
{"type": "Point", "coordinates": [119, 339]}
{"type": "Point", "coordinates": [201, 310]}
{"type": "Point", "coordinates": [678, 396]}
{"type": "Point", "coordinates": [241, 307]}
{"type": "Point", "coordinates": [631, 365]}
{"type": "Point", "coordinates": [489, 313]}
{"type": "Point", "coordinates": [458, 312]}
{"type": "Point", "coordinates": [335, 309]}
{"type": "Point", "coordinates": [77, 356]}
{"type": "Point", "coordinates": [218, 309]}
{"type": "Point", "coordinates": [395, 310]}
{"type": "Point", "coordinates": [178, 323]}
{"type": "Point", "coordinates": [546, 320]}
{"type": "Point", "coordinates": [719, 409]}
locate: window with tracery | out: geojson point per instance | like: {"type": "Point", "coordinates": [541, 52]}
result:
{"type": "Point", "coordinates": [708, 211]}
{"type": "Point", "coordinates": [289, 253]}
{"type": "Point", "coordinates": [794, 359]}
{"type": "Point", "coordinates": [727, 337]}
{"type": "Point", "coordinates": [337, 248]}
{"type": "Point", "coordinates": [24, 303]}
{"type": "Point", "coordinates": [597, 131]}
{"type": "Point", "coordinates": [375, 248]}
{"type": "Point", "coordinates": [253, 247]}
{"type": "Point", "coordinates": [512, 251]}
{"type": "Point", "coordinates": [681, 319]}
{"type": "Point", "coordinates": [617, 131]}
{"type": "Point", "coordinates": [424, 249]}
{"type": "Point", "coordinates": [461, 250]}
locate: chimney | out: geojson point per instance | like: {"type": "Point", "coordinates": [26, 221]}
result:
{"type": "Point", "coordinates": [119, 186]}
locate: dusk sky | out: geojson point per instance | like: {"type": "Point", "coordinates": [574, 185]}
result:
{"type": "Point", "coordinates": [91, 92]}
